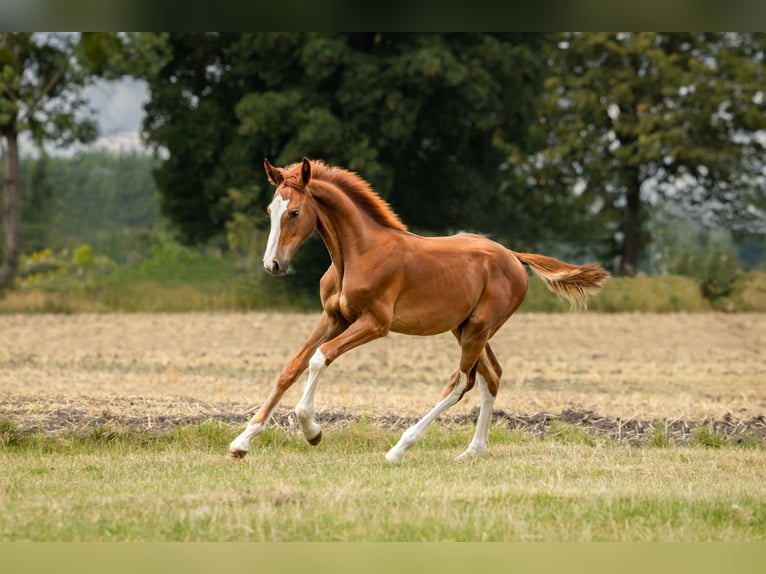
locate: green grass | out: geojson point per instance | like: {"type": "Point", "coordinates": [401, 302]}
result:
{"type": "Point", "coordinates": [567, 433]}
{"type": "Point", "coordinates": [120, 486]}
{"type": "Point", "coordinates": [659, 438]}
{"type": "Point", "coordinates": [709, 438]}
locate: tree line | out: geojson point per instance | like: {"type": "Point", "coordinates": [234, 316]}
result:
{"type": "Point", "coordinates": [540, 140]}
{"type": "Point", "coordinates": [98, 198]}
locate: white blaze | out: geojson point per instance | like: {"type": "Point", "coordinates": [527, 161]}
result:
{"type": "Point", "coordinates": [277, 208]}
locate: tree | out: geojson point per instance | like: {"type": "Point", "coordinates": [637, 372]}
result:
{"type": "Point", "coordinates": [40, 83]}
{"type": "Point", "coordinates": [627, 119]}
{"type": "Point", "coordinates": [423, 117]}
{"type": "Point", "coordinates": [42, 77]}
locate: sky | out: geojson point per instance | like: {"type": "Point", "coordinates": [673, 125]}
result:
{"type": "Point", "coordinates": [118, 108]}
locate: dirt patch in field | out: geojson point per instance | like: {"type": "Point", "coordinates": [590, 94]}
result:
{"type": "Point", "coordinates": [616, 374]}
{"type": "Point", "coordinates": [61, 415]}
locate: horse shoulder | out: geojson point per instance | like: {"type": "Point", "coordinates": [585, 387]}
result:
{"type": "Point", "coordinates": [329, 291]}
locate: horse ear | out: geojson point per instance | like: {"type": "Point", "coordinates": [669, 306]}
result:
{"type": "Point", "coordinates": [305, 172]}
{"type": "Point", "coordinates": [273, 173]}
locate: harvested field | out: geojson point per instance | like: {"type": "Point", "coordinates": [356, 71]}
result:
{"type": "Point", "coordinates": [613, 375]}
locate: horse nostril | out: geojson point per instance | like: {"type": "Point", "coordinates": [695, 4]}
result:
{"type": "Point", "coordinates": [275, 266]}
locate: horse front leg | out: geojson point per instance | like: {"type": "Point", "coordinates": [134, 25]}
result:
{"type": "Point", "coordinates": [361, 331]}
{"type": "Point", "coordinates": [326, 328]}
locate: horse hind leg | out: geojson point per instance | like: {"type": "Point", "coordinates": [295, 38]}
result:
{"type": "Point", "coordinates": [453, 393]}
{"type": "Point", "coordinates": [488, 378]}
{"type": "Point", "coordinates": [472, 341]}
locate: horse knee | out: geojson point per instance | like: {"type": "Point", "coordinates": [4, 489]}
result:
{"type": "Point", "coordinates": [453, 382]}
{"type": "Point", "coordinates": [460, 387]}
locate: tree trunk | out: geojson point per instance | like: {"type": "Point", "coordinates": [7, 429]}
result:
{"type": "Point", "coordinates": [11, 232]}
{"type": "Point", "coordinates": [631, 228]}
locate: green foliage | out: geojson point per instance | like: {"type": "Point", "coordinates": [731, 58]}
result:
{"type": "Point", "coordinates": [423, 117]}
{"type": "Point", "coordinates": [105, 200]}
{"type": "Point", "coordinates": [42, 77]}
{"type": "Point", "coordinates": [535, 139]}
{"type": "Point", "coordinates": [674, 112]}
{"type": "Point", "coordinates": [84, 256]}
{"type": "Point", "coordinates": [40, 82]}
{"type": "Point", "coordinates": [715, 272]}
{"type": "Point", "coordinates": [169, 263]}
{"type": "Point", "coordinates": [112, 55]}
{"type": "Point", "coordinates": [712, 257]}
{"type": "Point", "coordinates": [748, 293]}
{"type": "Point", "coordinates": [171, 277]}
{"type": "Point", "coordinates": [669, 293]}
{"type": "Point", "coordinates": [179, 279]}
{"type": "Point", "coordinates": [60, 270]}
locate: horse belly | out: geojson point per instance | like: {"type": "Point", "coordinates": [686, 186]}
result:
{"type": "Point", "coordinates": [434, 306]}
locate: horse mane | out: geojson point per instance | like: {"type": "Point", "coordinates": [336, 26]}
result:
{"type": "Point", "coordinates": [358, 191]}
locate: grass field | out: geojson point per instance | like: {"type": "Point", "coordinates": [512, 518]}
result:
{"type": "Point", "coordinates": [624, 427]}
{"type": "Point", "coordinates": [525, 489]}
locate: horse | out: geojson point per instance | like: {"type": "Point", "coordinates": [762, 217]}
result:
{"type": "Point", "coordinates": [383, 278]}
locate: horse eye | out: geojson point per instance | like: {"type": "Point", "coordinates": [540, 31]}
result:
{"type": "Point", "coordinates": [294, 213]}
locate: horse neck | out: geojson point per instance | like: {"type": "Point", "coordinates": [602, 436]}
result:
{"type": "Point", "coordinates": [344, 228]}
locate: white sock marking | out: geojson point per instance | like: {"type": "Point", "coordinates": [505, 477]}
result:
{"type": "Point", "coordinates": [479, 441]}
{"type": "Point", "coordinates": [304, 410]}
{"type": "Point", "coordinates": [242, 442]}
{"type": "Point", "coordinates": [415, 432]}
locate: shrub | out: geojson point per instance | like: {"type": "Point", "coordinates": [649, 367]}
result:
{"type": "Point", "coordinates": [84, 256]}
{"type": "Point", "coordinates": [715, 272]}
{"type": "Point", "coordinates": [709, 438]}
{"type": "Point", "coordinates": [748, 293]}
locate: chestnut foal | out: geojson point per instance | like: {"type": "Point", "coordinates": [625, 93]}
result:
{"type": "Point", "coordinates": [384, 278]}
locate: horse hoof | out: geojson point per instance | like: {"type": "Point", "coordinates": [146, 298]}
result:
{"type": "Point", "coordinates": [468, 455]}
{"type": "Point", "coordinates": [236, 454]}
{"type": "Point", "coordinates": [394, 456]}
{"type": "Point", "coordinates": [316, 440]}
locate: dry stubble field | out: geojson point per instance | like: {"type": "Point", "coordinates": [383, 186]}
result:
{"type": "Point", "coordinates": [612, 374]}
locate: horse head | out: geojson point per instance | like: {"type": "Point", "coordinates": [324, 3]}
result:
{"type": "Point", "coordinates": [292, 212]}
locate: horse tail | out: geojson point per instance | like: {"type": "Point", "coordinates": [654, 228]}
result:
{"type": "Point", "coordinates": [572, 282]}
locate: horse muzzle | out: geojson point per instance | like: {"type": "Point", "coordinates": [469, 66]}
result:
{"type": "Point", "coordinates": [276, 268]}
